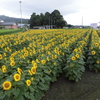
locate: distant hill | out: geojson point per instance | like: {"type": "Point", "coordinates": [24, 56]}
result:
{"type": "Point", "coordinates": [12, 19]}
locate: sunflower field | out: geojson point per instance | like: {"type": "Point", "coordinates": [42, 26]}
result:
{"type": "Point", "coordinates": [31, 60]}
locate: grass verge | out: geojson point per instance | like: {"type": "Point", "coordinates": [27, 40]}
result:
{"type": "Point", "coordinates": [9, 31]}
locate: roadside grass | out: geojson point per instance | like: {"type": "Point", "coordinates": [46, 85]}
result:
{"type": "Point", "coordinates": [9, 31]}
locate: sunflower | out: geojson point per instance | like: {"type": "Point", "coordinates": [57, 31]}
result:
{"type": "Point", "coordinates": [54, 63]}
{"type": "Point", "coordinates": [28, 82]}
{"type": "Point", "coordinates": [71, 65]}
{"type": "Point", "coordinates": [53, 56]}
{"type": "Point", "coordinates": [56, 51]}
{"type": "Point", "coordinates": [43, 62]}
{"type": "Point", "coordinates": [63, 53]}
{"type": "Point", "coordinates": [19, 71]}
{"type": "Point", "coordinates": [30, 72]}
{"type": "Point", "coordinates": [7, 85]}
{"type": "Point", "coordinates": [96, 44]}
{"type": "Point", "coordinates": [56, 56]}
{"type": "Point", "coordinates": [34, 51]}
{"type": "Point", "coordinates": [77, 55]}
{"type": "Point", "coordinates": [3, 66]}
{"type": "Point", "coordinates": [0, 56]}
{"type": "Point", "coordinates": [73, 58]}
{"type": "Point", "coordinates": [37, 60]}
{"type": "Point", "coordinates": [97, 62]}
{"type": "Point", "coordinates": [35, 65]}
{"type": "Point", "coordinates": [33, 61]}
{"type": "Point", "coordinates": [32, 78]}
{"type": "Point", "coordinates": [50, 71]}
{"type": "Point", "coordinates": [93, 52]}
{"type": "Point", "coordinates": [4, 70]}
{"type": "Point", "coordinates": [48, 59]}
{"type": "Point", "coordinates": [25, 54]}
{"type": "Point", "coordinates": [75, 50]}
{"type": "Point", "coordinates": [33, 70]}
{"type": "Point", "coordinates": [4, 54]}
{"type": "Point", "coordinates": [31, 53]}
{"type": "Point", "coordinates": [12, 63]}
{"type": "Point", "coordinates": [12, 55]}
{"type": "Point", "coordinates": [11, 59]}
{"type": "Point", "coordinates": [17, 77]}
{"type": "Point", "coordinates": [28, 61]}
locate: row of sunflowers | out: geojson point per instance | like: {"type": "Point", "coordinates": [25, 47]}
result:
{"type": "Point", "coordinates": [29, 61]}
{"type": "Point", "coordinates": [93, 59]}
{"type": "Point", "coordinates": [75, 63]}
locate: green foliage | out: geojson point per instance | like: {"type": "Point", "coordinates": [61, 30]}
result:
{"type": "Point", "coordinates": [54, 18]}
{"type": "Point", "coordinates": [9, 31]}
{"type": "Point", "coordinates": [93, 59]}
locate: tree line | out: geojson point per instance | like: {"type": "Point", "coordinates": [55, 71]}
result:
{"type": "Point", "coordinates": [54, 18]}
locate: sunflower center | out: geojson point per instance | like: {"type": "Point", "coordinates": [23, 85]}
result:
{"type": "Point", "coordinates": [17, 77]}
{"type": "Point", "coordinates": [6, 85]}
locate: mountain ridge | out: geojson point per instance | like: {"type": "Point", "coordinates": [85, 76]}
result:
{"type": "Point", "coordinates": [13, 19]}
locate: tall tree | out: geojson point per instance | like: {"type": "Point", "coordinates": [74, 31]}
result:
{"type": "Point", "coordinates": [42, 19]}
{"type": "Point", "coordinates": [54, 18]}
{"type": "Point", "coordinates": [57, 19]}
{"type": "Point", "coordinates": [32, 20]}
{"type": "Point", "coordinates": [47, 18]}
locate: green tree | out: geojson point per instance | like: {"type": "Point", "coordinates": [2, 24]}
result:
{"type": "Point", "coordinates": [42, 19]}
{"type": "Point", "coordinates": [32, 20]}
{"type": "Point", "coordinates": [54, 18]}
{"type": "Point", "coordinates": [47, 18]}
{"type": "Point", "coordinates": [57, 19]}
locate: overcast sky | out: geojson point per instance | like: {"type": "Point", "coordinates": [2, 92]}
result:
{"type": "Point", "coordinates": [73, 11]}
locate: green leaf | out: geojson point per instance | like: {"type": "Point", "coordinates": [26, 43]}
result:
{"type": "Point", "coordinates": [25, 88]}
{"type": "Point", "coordinates": [82, 69]}
{"type": "Point", "coordinates": [16, 91]}
{"type": "Point", "coordinates": [75, 72]}
{"type": "Point", "coordinates": [1, 72]}
{"type": "Point", "coordinates": [38, 96]}
{"type": "Point", "coordinates": [42, 79]}
{"type": "Point", "coordinates": [32, 97]}
{"type": "Point", "coordinates": [8, 93]}
{"type": "Point", "coordinates": [26, 94]}
{"type": "Point", "coordinates": [31, 89]}
{"type": "Point", "coordinates": [6, 98]}
{"type": "Point", "coordinates": [47, 78]}
{"type": "Point", "coordinates": [2, 95]}
{"type": "Point", "coordinates": [46, 71]}
{"type": "Point", "coordinates": [53, 79]}
{"type": "Point", "coordinates": [41, 86]}
{"type": "Point", "coordinates": [54, 72]}
{"type": "Point", "coordinates": [20, 83]}
{"type": "Point", "coordinates": [21, 89]}
{"type": "Point", "coordinates": [19, 97]}
{"type": "Point", "coordinates": [76, 80]}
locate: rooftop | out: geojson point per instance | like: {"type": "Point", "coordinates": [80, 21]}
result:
{"type": "Point", "coordinates": [7, 23]}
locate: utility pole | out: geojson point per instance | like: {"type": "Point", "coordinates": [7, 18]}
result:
{"type": "Point", "coordinates": [49, 22]}
{"type": "Point", "coordinates": [82, 21]}
{"type": "Point", "coordinates": [21, 12]}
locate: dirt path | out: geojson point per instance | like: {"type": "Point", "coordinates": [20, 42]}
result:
{"type": "Point", "coordinates": [88, 88]}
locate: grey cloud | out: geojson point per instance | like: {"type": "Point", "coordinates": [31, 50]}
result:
{"type": "Point", "coordinates": [29, 6]}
